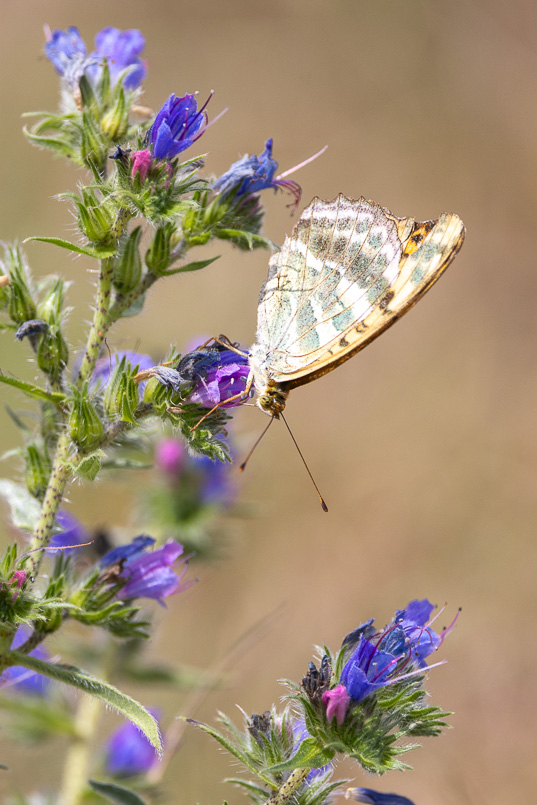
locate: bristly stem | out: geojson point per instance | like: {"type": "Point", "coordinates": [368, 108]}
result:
{"type": "Point", "coordinates": [288, 789]}
{"type": "Point", "coordinates": [101, 320]}
{"type": "Point", "coordinates": [61, 471]}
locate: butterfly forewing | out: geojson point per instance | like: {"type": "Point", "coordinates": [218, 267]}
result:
{"type": "Point", "coordinates": [349, 271]}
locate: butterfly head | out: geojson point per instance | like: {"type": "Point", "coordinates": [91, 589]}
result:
{"type": "Point", "coordinates": [272, 400]}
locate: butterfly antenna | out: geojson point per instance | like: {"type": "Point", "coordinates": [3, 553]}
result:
{"type": "Point", "coordinates": [248, 457]}
{"type": "Point", "coordinates": [323, 504]}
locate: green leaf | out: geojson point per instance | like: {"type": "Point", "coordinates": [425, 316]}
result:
{"type": "Point", "coordinates": [32, 391]}
{"type": "Point", "coordinates": [195, 266]}
{"type": "Point", "coordinates": [25, 509]}
{"type": "Point", "coordinates": [229, 747]}
{"type": "Point", "coordinates": [135, 309]}
{"type": "Point", "coordinates": [309, 755]}
{"type": "Point", "coordinates": [107, 693]}
{"type": "Point", "coordinates": [116, 793]}
{"type": "Point", "coordinates": [97, 252]}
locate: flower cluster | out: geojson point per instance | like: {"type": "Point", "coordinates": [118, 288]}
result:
{"type": "Point", "coordinates": [121, 50]}
{"type": "Point", "coordinates": [382, 659]}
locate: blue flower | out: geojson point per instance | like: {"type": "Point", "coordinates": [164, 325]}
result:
{"type": "Point", "coordinates": [371, 797]}
{"type": "Point", "coordinates": [216, 482]}
{"type": "Point", "coordinates": [217, 374]}
{"type": "Point", "coordinates": [252, 174]}
{"type": "Point", "coordinates": [148, 574]}
{"type": "Point", "coordinates": [122, 50]}
{"type": "Point", "coordinates": [129, 752]}
{"type": "Point", "coordinates": [128, 552]}
{"type": "Point", "coordinates": [410, 633]}
{"type": "Point", "coordinates": [384, 658]}
{"type": "Point", "coordinates": [24, 679]}
{"type": "Point", "coordinates": [178, 124]}
{"type": "Point", "coordinates": [71, 533]}
{"type": "Point", "coordinates": [67, 52]}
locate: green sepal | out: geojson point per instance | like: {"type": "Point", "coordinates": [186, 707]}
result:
{"type": "Point", "coordinates": [309, 755]}
{"type": "Point", "coordinates": [30, 390]}
{"type": "Point", "coordinates": [230, 747]}
{"type": "Point", "coordinates": [88, 467]}
{"type": "Point", "coordinates": [195, 266]}
{"type": "Point", "coordinates": [96, 252]}
{"type": "Point", "coordinates": [107, 693]}
{"type": "Point", "coordinates": [243, 239]}
{"type": "Point", "coordinates": [128, 263]}
{"type": "Point", "coordinates": [116, 793]}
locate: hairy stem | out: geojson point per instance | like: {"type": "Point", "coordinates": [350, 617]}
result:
{"type": "Point", "coordinates": [56, 486]}
{"type": "Point", "coordinates": [75, 770]}
{"type": "Point", "coordinates": [101, 320]}
{"type": "Point", "coordinates": [289, 788]}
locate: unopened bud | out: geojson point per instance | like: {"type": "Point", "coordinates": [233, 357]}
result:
{"type": "Point", "coordinates": [128, 263]}
{"type": "Point", "coordinates": [85, 425]}
{"type": "Point", "coordinates": [157, 257]}
{"type": "Point", "coordinates": [115, 122]}
{"type": "Point", "coordinates": [37, 471]}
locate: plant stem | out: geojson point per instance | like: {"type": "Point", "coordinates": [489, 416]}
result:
{"type": "Point", "coordinates": [75, 771]}
{"type": "Point", "coordinates": [101, 320]}
{"type": "Point", "coordinates": [56, 486]}
{"type": "Point", "coordinates": [289, 788]}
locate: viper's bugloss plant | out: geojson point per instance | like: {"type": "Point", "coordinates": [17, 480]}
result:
{"type": "Point", "coordinates": [364, 703]}
{"type": "Point", "coordinates": [147, 201]}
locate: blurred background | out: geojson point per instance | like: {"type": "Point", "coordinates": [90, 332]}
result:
{"type": "Point", "coordinates": [424, 445]}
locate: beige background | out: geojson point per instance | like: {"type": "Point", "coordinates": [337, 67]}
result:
{"type": "Point", "coordinates": [424, 445]}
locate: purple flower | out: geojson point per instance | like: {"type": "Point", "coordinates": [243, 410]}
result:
{"type": "Point", "coordinates": [409, 632]}
{"type": "Point", "coordinates": [129, 752]}
{"type": "Point", "coordinates": [170, 457]}
{"type": "Point", "coordinates": [24, 679]}
{"type": "Point", "coordinates": [67, 52]}
{"type": "Point", "coordinates": [122, 50]}
{"type": "Point", "coordinates": [104, 368]}
{"type": "Point", "coordinates": [216, 483]}
{"type": "Point", "coordinates": [336, 702]}
{"type": "Point", "coordinates": [142, 162]}
{"type": "Point", "coordinates": [128, 552]}
{"type": "Point", "coordinates": [384, 658]}
{"type": "Point", "coordinates": [178, 124]}
{"type": "Point", "coordinates": [148, 574]}
{"type": "Point", "coordinates": [72, 532]}
{"type": "Point", "coordinates": [371, 797]}
{"type": "Point", "coordinates": [217, 374]}
{"type": "Point", "coordinates": [252, 174]}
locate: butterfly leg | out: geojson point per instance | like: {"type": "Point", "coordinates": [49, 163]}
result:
{"type": "Point", "coordinates": [243, 395]}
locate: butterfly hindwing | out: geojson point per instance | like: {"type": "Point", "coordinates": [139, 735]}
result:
{"type": "Point", "coordinates": [349, 270]}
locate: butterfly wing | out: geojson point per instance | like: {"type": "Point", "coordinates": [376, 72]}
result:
{"type": "Point", "coordinates": [349, 270]}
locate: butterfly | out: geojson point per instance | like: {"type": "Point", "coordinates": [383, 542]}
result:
{"type": "Point", "coordinates": [349, 271]}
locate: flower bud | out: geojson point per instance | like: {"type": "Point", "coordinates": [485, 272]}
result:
{"type": "Point", "coordinates": [121, 395]}
{"type": "Point", "coordinates": [93, 147]}
{"type": "Point", "coordinates": [94, 218]}
{"type": "Point", "coordinates": [157, 257]}
{"type": "Point", "coordinates": [85, 425]}
{"type": "Point", "coordinates": [21, 306]}
{"type": "Point", "coordinates": [115, 122]}
{"type": "Point", "coordinates": [37, 471]}
{"type": "Point", "coordinates": [128, 263]}
{"type": "Point", "coordinates": [53, 354]}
